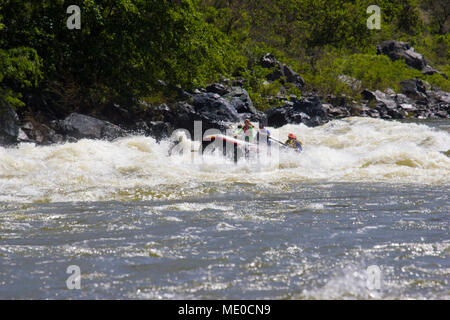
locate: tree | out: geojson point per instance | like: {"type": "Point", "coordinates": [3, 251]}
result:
{"type": "Point", "coordinates": [19, 68]}
{"type": "Point", "coordinates": [123, 48]}
{"type": "Point", "coordinates": [439, 11]}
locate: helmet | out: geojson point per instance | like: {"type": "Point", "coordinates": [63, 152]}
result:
{"type": "Point", "coordinates": [292, 136]}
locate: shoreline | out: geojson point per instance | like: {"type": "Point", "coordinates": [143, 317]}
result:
{"type": "Point", "coordinates": [227, 101]}
{"type": "Point", "coordinates": [215, 112]}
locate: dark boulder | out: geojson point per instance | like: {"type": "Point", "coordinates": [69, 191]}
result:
{"type": "Point", "coordinates": [81, 126]}
{"type": "Point", "coordinates": [400, 98]}
{"type": "Point", "coordinates": [281, 71]}
{"type": "Point", "coordinates": [338, 106]}
{"type": "Point", "coordinates": [413, 87]}
{"type": "Point", "coordinates": [386, 106]}
{"type": "Point", "coordinates": [442, 114]}
{"type": "Point", "coordinates": [312, 106]}
{"type": "Point", "coordinates": [217, 88]}
{"type": "Point", "coordinates": [279, 116]}
{"type": "Point", "coordinates": [213, 106]}
{"type": "Point", "coordinates": [159, 130]}
{"type": "Point", "coordinates": [365, 111]}
{"type": "Point", "coordinates": [416, 90]}
{"type": "Point", "coordinates": [309, 111]}
{"type": "Point", "coordinates": [381, 98]}
{"type": "Point", "coordinates": [259, 117]}
{"type": "Point", "coordinates": [116, 113]}
{"type": "Point", "coordinates": [240, 100]}
{"type": "Point", "coordinates": [40, 134]}
{"type": "Point", "coordinates": [397, 50]}
{"type": "Point", "coordinates": [441, 97]}
{"type": "Point", "coordinates": [428, 70]}
{"type": "Point", "coordinates": [293, 77]}
{"type": "Point", "coordinates": [183, 116]}
{"type": "Point", "coordinates": [9, 126]}
{"type": "Point", "coordinates": [269, 61]}
{"type": "Point", "coordinates": [156, 129]}
{"type": "Point", "coordinates": [336, 112]}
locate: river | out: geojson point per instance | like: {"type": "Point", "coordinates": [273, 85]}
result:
{"type": "Point", "coordinates": [362, 213]}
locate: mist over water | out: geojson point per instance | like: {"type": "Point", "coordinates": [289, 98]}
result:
{"type": "Point", "coordinates": [143, 225]}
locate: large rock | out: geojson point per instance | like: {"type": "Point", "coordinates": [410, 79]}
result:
{"type": "Point", "coordinates": [258, 117]}
{"type": "Point", "coordinates": [279, 116]}
{"type": "Point", "coordinates": [240, 100]}
{"type": "Point", "coordinates": [293, 77]}
{"type": "Point", "coordinates": [183, 116]}
{"type": "Point", "coordinates": [9, 126]}
{"type": "Point", "coordinates": [312, 106]}
{"type": "Point", "coordinates": [40, 133]}
{"type": "Point", "coordinates": [81, 126]}
{"type": "Point", "coordinates": [441, 96]}
{"type": "Point", "coordinates": [158, 129]}
{"type": "Point", "coordinates": [416, 90]}
{"type": "Point", "coordinates": [385, 105]}
{"type": "Point", "coordinates": [269, 61]}
{"type": "Point", "coordinates": [213, 106]}
{"type": "Point", "coordinates": [397, 50]}
{"type": "Point", "coordinates": [281, 71]}
{"type": "Point", "coordinates": [380, 98]}
{"type": "Point", "coordinates": [309, 111]}
{"type": "Point", "coordinates": [218, 88]}
{"type": "Point", "coordinates": [414, 87]}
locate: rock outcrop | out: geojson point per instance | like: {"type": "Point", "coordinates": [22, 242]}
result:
{"type": "Point", "coordinates": [397, 50]}
{"type": "Point", "coordinates": [281, 71]}
{"type": "Point", "coordinates": [81, 126]}
{"type": "Point", "coordinates": [9, 126]}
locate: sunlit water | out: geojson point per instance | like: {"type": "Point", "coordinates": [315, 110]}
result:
{"type": "Point", "coordinates": [142, 225]}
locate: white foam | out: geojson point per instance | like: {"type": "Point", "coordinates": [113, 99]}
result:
{"type": "Point", "coordinates": [138, 168]}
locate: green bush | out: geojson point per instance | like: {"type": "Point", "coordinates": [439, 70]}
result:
{"type": "Point", "coordinates": [19, 68]}
{"type": "Point", "coordinates": [438, 81]}
{"type": "Point", "coordinates": [375, 72]}
{"type": "Point", "coordinates": [125, 46]}
{"type": "Point", "coordinates": [436, 49]}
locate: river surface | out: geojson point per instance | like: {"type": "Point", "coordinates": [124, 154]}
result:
{"type": "Point", "coordinates": [362, 213]}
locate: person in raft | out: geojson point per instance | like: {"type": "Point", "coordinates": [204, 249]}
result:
{"type": "Point", "coordinates": [294, 143]}
{"type": "Point", "coordinates": [263, 135]}
{"type": "Point", "coordinates": [248, 130]}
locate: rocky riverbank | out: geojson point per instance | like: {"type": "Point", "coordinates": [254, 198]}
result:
{"type": "Point", "coordinates": [227, 102]}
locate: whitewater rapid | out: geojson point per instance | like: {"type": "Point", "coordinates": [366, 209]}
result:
{"type": "Point", "coordinates": [139, 168]}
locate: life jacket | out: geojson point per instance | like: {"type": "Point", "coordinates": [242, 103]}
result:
{"type": "Point", "coordinates": [295, 144]}
{"type": "Point", "coordinates": [248, 132]}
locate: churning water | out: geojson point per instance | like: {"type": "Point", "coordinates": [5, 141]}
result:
{"type": "Point", "coordinates": [142, 225]}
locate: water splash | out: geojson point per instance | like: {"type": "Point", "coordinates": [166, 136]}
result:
{"type": "Point", "coordinates": [138, 168]}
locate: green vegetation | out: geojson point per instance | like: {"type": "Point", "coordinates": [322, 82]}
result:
{"type": "Point", "coordinates": [19, 68]}
{"type": "Point", "coordinates": [125, 46]}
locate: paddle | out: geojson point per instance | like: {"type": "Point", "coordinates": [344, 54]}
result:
{"type": "Point", "coordinates": [284, 144]}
